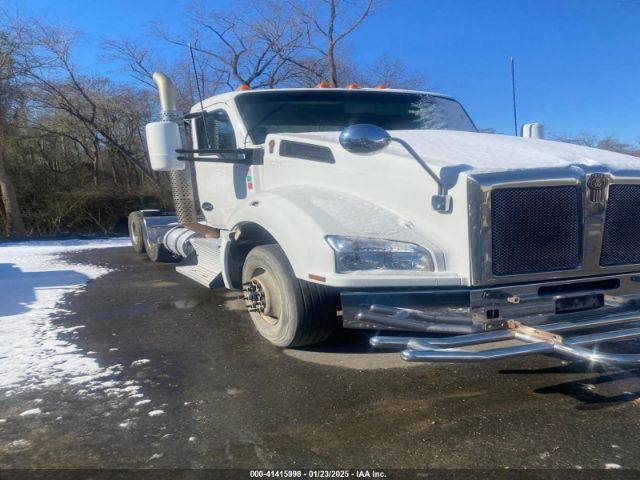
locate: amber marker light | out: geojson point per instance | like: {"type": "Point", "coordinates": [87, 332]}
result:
{"type": "Point", "coordinates": [317, 278]}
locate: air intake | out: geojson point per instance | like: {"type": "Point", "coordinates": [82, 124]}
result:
{"type": "Point", "coordinates": [621, 242]}
{"type": "Point", "coordinates": [536, 229]}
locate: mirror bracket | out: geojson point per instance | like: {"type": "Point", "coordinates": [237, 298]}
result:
{"type": "Point", "coordinates": [442, 203]}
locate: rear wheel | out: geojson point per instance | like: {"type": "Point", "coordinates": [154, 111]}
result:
{"type": "Point", "coordinates": [157, 252]}
{"type": "Point", "coordinates": [136, 227]}
{"type": "Point", "coordinates": [285, 310]}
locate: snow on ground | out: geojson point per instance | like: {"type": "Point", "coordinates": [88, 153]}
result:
{"type": "Point", "coordinates": [34, 350]}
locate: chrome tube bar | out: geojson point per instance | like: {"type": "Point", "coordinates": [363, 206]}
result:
{"type": "Point", "coordinates": [613, 319]}
{"type": "Point", "coordinates": [408, 319]}
{"type": "Point", "coordinates": [540, 339]}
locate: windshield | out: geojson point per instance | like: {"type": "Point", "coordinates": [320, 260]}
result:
{"type": "Point", "coordinates": [330, 111]}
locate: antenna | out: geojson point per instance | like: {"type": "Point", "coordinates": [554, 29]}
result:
{"type": "Point", "coordinates": [195, 73]}
{"type": "Point", "coordinates": [513, 91]}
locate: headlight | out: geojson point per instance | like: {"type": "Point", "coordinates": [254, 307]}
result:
{"type": "Point", "coordinates": [355, 253]}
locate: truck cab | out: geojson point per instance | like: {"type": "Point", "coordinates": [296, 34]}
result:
{"type": "Point", "coordinates": [387, 210]}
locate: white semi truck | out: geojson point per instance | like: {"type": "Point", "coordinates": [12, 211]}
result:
{"type": "Point", "coordinates": [386, 209]}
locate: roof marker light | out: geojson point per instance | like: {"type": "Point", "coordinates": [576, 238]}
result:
{"type": "Point", "coordinates": [353, 86]}
{"type": "Point", "coordinates": [323, 85]}
{"type": "Point", "coordinates": [243, 87]}
{"type": "Point", "coordinates": [381, 87]}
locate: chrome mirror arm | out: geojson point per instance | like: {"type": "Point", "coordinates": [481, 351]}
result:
{"type": "Point", "coordinates": [440, 202]}
{"type": "Point", "coordinates": [442, 190]}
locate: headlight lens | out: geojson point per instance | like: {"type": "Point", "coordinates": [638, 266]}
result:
{"type": "Point", "coordinates": [355, 253]}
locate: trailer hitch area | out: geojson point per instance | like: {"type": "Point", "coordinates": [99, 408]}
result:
{"type": "Point", "coordinates": [501, 295]}
{"type": "Point", "coordinates": [541, 339]}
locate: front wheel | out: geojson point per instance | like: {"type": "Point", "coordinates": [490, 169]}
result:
{"type": "Point", "coordinates": [285, 310]}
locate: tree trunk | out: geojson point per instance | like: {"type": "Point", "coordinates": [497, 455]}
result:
{"type": "Point", "coordinates": [12, 215]}
{"type": "Point", "coordinates": [96, 161]}
{"type": "Point", "coordinates": [331, 47]}
{"type": "Point", "coordinates": [333, 71]}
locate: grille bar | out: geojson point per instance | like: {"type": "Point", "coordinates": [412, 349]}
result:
{"type": "Point", "coordinates": [537, 229]}
{"type": "Point", "coordinates": [621, 241]}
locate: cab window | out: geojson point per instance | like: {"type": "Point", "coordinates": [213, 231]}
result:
{"type": "Point", "coordinates": [219, 132]}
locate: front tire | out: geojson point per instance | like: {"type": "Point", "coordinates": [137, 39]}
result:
{"type": "Point", "coordinates": [285, 310]}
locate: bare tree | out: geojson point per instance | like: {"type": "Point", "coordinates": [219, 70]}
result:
{"type": "Point", "coordinates": [327, 23]}
{"type": "Point", "coordinates": [113, 115]}
{"type": "Point", "coordinates": [250, 45]}
{"type": "Point", "coordinates": [14, 223]}
{"type": "Point", "coordinates": [609, 142]}
{"type": "Point", "coordinates": [392, 72]}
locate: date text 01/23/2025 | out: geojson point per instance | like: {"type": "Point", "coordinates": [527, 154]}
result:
{"type": "Point", "coordinates": [317, 474]}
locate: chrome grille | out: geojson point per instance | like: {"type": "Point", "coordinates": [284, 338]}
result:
{"type": "Point", "coordinates": [536, 229]}
{"type": "Point", "coordinates": [621, 241]}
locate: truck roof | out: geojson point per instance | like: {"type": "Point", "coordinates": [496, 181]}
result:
{"type": "Point", "coordinates": [227, 96]}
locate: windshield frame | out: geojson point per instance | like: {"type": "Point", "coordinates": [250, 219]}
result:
{"type": "Point", "coordinates": [249, 129]}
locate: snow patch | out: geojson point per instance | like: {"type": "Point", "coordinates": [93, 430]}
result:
{"type": "Point", "coordinates": [31, 413]}
{"type": "Point", "coordinates": [19, 444]}
{"type": "Point", "coordinates": [33, 352]}
{"type": "Point", "coordinates": [155, 413]}
{"type": "Point", "coordinates": [612, 466]}
{"type": "Point", "coordinates": [126, 424]}
{"type": "Point", "coordinates": [461, 151]}
{"type": "Point", "coordinates": [140, 362]}
{"type": "Point", "coordinates": [141, 402]}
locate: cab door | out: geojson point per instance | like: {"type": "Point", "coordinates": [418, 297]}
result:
{"type": "Point", "coordinates": [221, 186]}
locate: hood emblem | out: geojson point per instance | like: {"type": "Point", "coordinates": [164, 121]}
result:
{"type": "Point", "coordinates": [597, 184]}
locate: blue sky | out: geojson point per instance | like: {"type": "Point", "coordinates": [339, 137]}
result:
{"type": "Point", "coordinates": [578, 61]}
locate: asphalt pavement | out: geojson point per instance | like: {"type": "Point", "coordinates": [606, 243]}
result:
{"type": "Point", "coordinates": [198, 388]}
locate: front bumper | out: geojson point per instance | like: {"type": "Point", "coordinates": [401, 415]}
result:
{"type": "Point", "coordinates": [480, 309]}
{"type": "Point", "coordinates": [533, 314]}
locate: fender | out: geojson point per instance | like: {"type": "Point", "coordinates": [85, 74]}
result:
{"type": "Point", "coordinates": [300, 217]}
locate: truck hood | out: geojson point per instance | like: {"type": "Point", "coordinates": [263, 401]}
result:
{"type": "Point", "coordinates": [483, 152]}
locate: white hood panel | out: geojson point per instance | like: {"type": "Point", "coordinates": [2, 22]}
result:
{"type": "Point", "coordinates": [483, 152]}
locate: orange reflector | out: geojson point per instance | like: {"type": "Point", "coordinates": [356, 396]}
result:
{"type": "Point", "coordinates": [317, 278]}
{"type": "Point", "coordinates": [352, 86]}
{"type": "Point", "coordinates": [323, 85]}
{"type": "Point", "coordinates": [381, 87]}
{"type": "Point", "coordinates": [242, 88]}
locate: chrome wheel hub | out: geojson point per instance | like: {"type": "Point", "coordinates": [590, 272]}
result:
{"type": "Point", "coordinates": [254, 296]}
{"type": "Point", "coordinates": [261, 297]}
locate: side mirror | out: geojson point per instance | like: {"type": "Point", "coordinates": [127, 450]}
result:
{"type": "Point", "coordinates": [533, 130]}
{"type": "Point", "coordinates": [163, 139]}
{"type": "Point", "coordinates": [364, 138]}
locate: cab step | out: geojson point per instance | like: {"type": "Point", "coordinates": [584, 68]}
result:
{"type": "Point", "coordinates": [204, 264]}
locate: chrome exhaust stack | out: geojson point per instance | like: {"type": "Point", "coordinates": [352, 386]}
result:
{"type": "Point", "coordinates": [181, 183]}
{"type": "Point", "coordinates": [164, 139]}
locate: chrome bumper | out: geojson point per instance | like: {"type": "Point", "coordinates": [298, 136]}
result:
{"type": "Point", "coordinates": [533, 315]}
{"type": "Point", "coordinates": [541, 339]}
